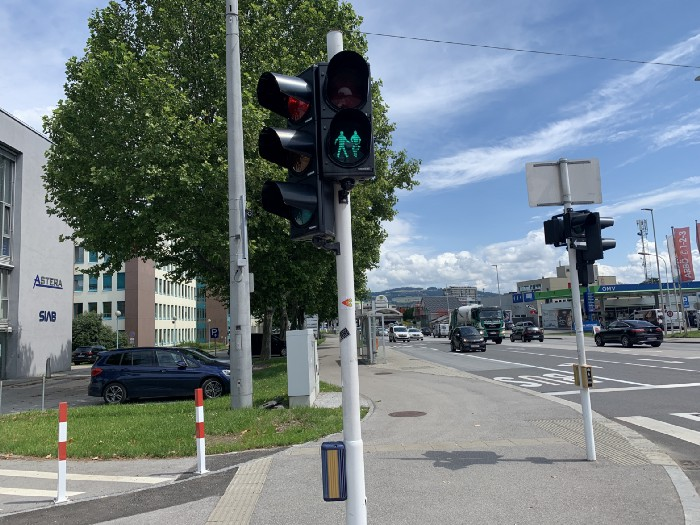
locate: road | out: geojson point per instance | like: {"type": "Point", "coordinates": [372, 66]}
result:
{"type": "Point", "coordinates": [654, 391]}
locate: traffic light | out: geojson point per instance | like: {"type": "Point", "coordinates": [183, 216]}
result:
{"type": "Point", "coordinates": [595, 244]}
{"type": "Point", "coordinates": [575, 227]}
{"type": "Point", "coordinates": [347, 150]}
{"type": "Point", "coordinates": [554, 231]}
{"type": "Point", "coordinates": [305, 199]}
{"type": "Point", "coordinates": [584, 269]}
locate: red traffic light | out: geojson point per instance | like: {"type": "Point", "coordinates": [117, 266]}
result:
{"type": "Point", "coordinates": [288, 96]}
{"type": "Point", "coordinates": [347, 81]}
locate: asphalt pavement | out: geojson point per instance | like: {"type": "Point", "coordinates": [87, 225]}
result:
{"type": "Point", "coordinates": [440, 446]}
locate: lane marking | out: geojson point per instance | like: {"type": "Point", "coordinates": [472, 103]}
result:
{"type": "Point", "coordinates": [695, 416]}
{"type": "Point", "coordinates": [643, 387]}
{"type": "Point", "coordinates": [33, 493]}
{"type": "Point", "coordinates": [39, 474]}
{"type": "Point", "coordinates": [685, 434]}
{"type": "Point", "coordinates": [662, 361]}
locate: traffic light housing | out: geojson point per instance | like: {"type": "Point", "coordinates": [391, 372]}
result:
{"type": "Point", "coordinates": [584, 269]}
{"type": "Point", "coordinates": [345, 104]}
{"type": "Point", "coordinates": [554, 231]}
{"type": "Point", "coordinates": [595, 244]}
{"type": "Point", "coordinates": [305, 199]}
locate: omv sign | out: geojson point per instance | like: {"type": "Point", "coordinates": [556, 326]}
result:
{"type": "Point", "coordinates": [523, 297]}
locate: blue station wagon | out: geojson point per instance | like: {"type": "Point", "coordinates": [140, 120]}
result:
{"type": "Point", "coordinates": [131, 373]}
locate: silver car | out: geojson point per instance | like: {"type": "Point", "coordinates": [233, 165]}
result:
{"type": "Point", "coordinates": [398, 333]}
{"type": "Point", "coordinates": [415, 334]}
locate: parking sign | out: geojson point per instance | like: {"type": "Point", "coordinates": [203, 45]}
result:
{"type": "Point", "coordinates": [214, 333]}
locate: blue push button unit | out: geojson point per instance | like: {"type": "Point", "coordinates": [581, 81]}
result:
{"type": "Point", "coordinates": [333, 467]}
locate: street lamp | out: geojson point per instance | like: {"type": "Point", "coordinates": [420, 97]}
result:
{"type": "Point", "coordinates": [498, 282]}
{"type": "Point", "coordinates": [668, 295]}
{"type": "Point", "coordinates": [174, 331]}
{"type": "Point", "coordinates": [116, 318]}
{"type": "Point", "coordinates": [658, 270]}
{"type": "Point", "coordinates": [209, 333]}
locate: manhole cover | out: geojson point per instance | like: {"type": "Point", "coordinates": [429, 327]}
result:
{"type": "Point", "coordinates": [382, 373]}
{"type": "Point", "coordinates": [407, 413]}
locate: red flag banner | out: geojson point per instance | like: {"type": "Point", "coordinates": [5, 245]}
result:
{"type": "Point", "coordinates": [684, 257]}
{"type": "Point", "coordinates": [697, 234]}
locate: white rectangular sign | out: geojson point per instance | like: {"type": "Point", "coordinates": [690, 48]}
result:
{"type": "Point", "coordinates": [544, 186]}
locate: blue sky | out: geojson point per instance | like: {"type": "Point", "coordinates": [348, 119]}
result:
{"type": "Point", "coordinates": [475, 116]}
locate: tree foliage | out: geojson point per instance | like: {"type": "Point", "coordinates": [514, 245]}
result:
{"type": "Point", "coordinates": [88, 329]}
{"type": "Point", "coordinates": [138, 161]}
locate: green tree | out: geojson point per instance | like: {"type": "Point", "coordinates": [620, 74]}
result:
{"type": "Point", "coordinates": [88, 329]}
{"type": "Point", "coordinates": [138, 161]}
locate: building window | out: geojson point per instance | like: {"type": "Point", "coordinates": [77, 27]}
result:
{"type": "Point", "coordinates": [78, 283]}
{"type": "Point", "coordinates": [92, 283]}
{"type": "Point", "coordinates": [106, 281]}
{"type": "Point", "coordinates": [92, 257]}
{"type": "Point", "coordinates": [92, 307]}
{"type": "Point", "coordinates": [77, 309]}
{"type": "Point", "coordinates": [79, 255]}
{"type": "Point", "coordinates": [107, 309]}
{"type": "Point", "coordinates": [121, 281]}
{"type": "Point", "coordinates": [120, 307]}
{"type": "Point", "coordinates": [7, 170]}
{"type": "Point", "coordinates": [4, 299]}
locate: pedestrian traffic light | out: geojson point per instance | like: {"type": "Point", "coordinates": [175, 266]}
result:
{"type": "Point", "coordinates": [595, 244]}
{"type": "Point", "coordinates": [584, 269]}
{"type": "Point", "coordinates": [305, 199]}
{"type": "Point", "coordinates": [554, 231]}
{"type": "Point", "coordinates": [347, 150]}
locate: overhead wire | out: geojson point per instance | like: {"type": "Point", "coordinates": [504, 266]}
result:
{"type": "Point", "coordinates": [533, 51]}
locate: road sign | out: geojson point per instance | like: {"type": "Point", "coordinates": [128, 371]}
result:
{"type": "Point", "coordinates": [544, 186]}
{"type": "Point", "coordinates": [669, 313]}
{"type": "Point", "coordinates": [214, 333]}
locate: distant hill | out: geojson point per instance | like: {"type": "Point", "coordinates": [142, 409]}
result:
{"type": "Point", "coordinates": [409, 296]}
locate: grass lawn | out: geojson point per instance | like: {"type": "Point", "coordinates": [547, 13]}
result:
{"type": "Point", "coordinates": [157, 429]}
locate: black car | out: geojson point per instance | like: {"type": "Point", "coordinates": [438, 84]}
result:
{"type": "Point", "coordinates": [526, 331]}
{"type": "Point", "coordinates": [467, 338]}
{"type": "Point", "coordinates": [86, 354]}
{"type": "Point", "coordinates": [630, 332]}
{"type": "Point", "coordinates": [426, 331]}
{"type": "Point", "coordinates": [279, 345]}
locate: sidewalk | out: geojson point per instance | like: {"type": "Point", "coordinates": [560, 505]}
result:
{"type": "Point", "coordinates": [440, 447]}
{"type": "Point", "coordinates": [474, 451]}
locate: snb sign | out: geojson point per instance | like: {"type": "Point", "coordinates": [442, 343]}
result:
{"type": "Point", "coordinates": [46, 316]}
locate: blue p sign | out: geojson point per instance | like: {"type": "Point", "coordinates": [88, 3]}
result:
{"type": "Point", "coordinates": [214, 333]}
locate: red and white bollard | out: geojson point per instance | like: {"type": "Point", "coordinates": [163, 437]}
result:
{"type": "Point", "coordinates": [62, 439]}
{"type": "Point", "coordinates": [199, 429]}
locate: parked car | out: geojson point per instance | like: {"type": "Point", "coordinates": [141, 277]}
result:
{"type": "Point", "coordinates": [526, 331]}
{"type": "Point", "coordinates": [146, 372]}
{"type": "Point", "coordinates": [630, 332]}
{"type": "Point", "coordinates": [467, 338]}
{"type": "Point", "coordinates": [279, 346]}
{"type": "Point", "coordinates": [398, 333]}
{"type": "Point", "coordinates": [425, 331]}
{"type": "Point", "coordinates": [415, 334]}
{"type": "Point", "coordinates": [86, 354]}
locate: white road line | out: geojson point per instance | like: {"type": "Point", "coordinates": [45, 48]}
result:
{"type": "Point", "coordinates": [40, 474]}
{"type": "Point", "coordinates": [33, 493]}
{"type": "Point", "coordinates": [662, 361]}
{"type": "Point", "coordinates": [695, 416]}
{"type": "Point", "coordinates": [623, 389]}
{"type": "Point", "coordinates": [691, 436]}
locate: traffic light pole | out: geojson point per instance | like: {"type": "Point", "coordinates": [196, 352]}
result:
{"type": "Point", "coordinates": [586, 411]}
{"type": "Point", "coordinates": [356, 503]}
{"type": "Point", "coordinates": [241, 357]}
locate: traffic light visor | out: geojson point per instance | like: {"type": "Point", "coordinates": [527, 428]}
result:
{"type": "Point", "coordinates": [288, 148]}
{"type": "Point", "coordinates": [347, 80]}
{"type": "Point", "coordinates": [292, 201]}
{"type": "Point", "coordinates": [349, 138]}
{"type": "Point", "coordinates": [288, 96]}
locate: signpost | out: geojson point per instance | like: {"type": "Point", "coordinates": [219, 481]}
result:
{"type": "Point", "coordinates": [567, 183]}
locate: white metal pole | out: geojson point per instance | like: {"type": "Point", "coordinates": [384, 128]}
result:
{"type": "Point", "coordinates": [586, 411]}
{"type": "Point", "coordinates": [658, 269]}
{"type": "Point", "coordinates": [356, 503]}
{"type": "Point", "coordinates": [239, 280]}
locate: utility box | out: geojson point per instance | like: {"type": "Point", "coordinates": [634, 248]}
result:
{"type": "Point", "coordinates": [302, 368]}
{"type": "Point", "coordinates": [583, 375]}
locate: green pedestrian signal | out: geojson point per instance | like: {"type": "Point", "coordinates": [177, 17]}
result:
{"type": "Point", "coordinates": [346, 118]}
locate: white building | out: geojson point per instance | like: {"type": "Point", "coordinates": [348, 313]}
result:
{"type": "Point", "coordinates": [36, 269]}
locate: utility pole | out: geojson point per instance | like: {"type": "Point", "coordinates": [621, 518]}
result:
{"type": "Point", "coordinates": [241, 358]}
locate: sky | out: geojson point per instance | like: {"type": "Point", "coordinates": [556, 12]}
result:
{"type": "Point", "coordinates": [475, 111]}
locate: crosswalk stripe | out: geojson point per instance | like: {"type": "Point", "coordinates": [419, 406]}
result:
{"type": "Point", "coordinates": [38, 474]}
{"type": "Point", "coordinates": [33, 493]}
{"type": "Point", "coordinates": [691, 436]}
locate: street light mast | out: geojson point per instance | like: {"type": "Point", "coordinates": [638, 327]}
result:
{"type": "Point", "coordinates": [658, 270]}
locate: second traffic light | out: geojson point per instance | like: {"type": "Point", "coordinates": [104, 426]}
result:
{"type": "Point", "coordinates": [305, 199]}
{"type": "Point", "coordinates": [345, 108]}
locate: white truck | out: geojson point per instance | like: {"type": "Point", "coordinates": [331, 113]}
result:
{"type": "Point", "coordinates": [487, 319]}
{"type": "Point", "coordinates": [441, 330]}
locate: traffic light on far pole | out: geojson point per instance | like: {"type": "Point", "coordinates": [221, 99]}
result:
{"type": "Point", "coordinates": [305, 199]}
{"type": "Point", "coordinates": [595, 244]}
{"type": "Point", "coordinates": [347, 150]}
